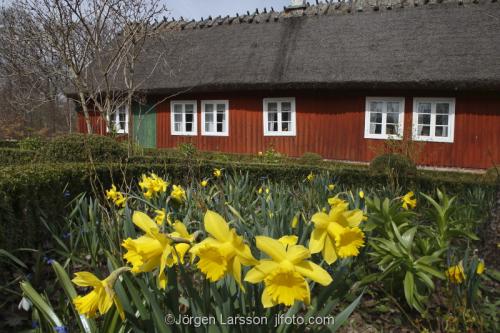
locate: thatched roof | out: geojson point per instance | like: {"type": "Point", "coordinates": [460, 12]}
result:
{"type": "Point", "coordinates": [449, 45]}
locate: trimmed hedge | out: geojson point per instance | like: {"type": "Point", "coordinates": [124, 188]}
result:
{"type": "Point", "coordinates": [45, 190]}
{"type": "Point", "coordinates": [80, 147]}
{"type": "Point", "coordinates": [13, 156]}
{"type": "Point", "coordinates": [393, 163]}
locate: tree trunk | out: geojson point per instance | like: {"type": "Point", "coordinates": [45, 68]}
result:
{"type": "Point", "coordinates": [86, 113]}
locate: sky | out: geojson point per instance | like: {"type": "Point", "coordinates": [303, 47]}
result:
{"type": "Point", "coordinates": [195, 9]}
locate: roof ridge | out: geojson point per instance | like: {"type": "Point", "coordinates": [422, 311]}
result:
{"type": "Point", "coordinates": [324, 8]}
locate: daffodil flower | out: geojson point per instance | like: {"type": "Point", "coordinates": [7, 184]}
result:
{"type": "Point", "coordinates": [116, 196]}
{"type": "Point", "coordinates": [152, 250]}
{"type": "Point", "coordinates": [456, 273]}
{"type": "Point", "coordinates": [217, 173]}
{"type": "Point", "coordinates": [152, 185]}
{"type": "Point", "coordinates": [331, 187]}
{"type": "Point", "coordinates": [480, 267]}
{"type": "Point", "coordinates": [204, 183]}
{"type": "Point", "coordinates": [102, 296]}
{"type": "Point", "coordinates": [284, 273]}
{"type": "Point", "coordinates": [409, 202]}
{"type": "Point", "coordinates": [178, 193]}
{"type": "Point", "coordinates": [337, 234]}
{"type": "Point", "coordinates": [160, 216]}
{"type": "Point", "coordinates": [361, 194]}
{"type": "Point", "coordinates": [310, 177]}
{"type": "Point", "coordinates": [336, 201]}
{"type": "Point", "coordinates": [223, 252]}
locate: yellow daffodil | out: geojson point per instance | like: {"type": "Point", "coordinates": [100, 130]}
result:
{"type": "Point", "coordinates": [336, 201]}
{"type": "Point", "coordinates": [409, 202]}
{"type": "Point", "coordinates": [151, 251]}
{"type": "Point", "coordinates": [310, 177]}
{"type": "Point", "coordinates": [456, 273]}
{"type": "Point", "coordinates": [204, 183]}
{"type": "Point", "coordinates": [331, 187]}
{"type": "Point", "coordinates": [223, 252]}
{"type": "Point", "coordinates": [217, 173]}
{"type": "Point", "coordinates": [284, 274]}
{"type": "Point", "coordinates": [102, 296]}
{"type": "Point", "coordinates": [480, 267]}
{"type": "Point", "coordinates": [152, 185]}
{"type": "Point", "coordinates": [361, 194]}
{"type": "Point", "coordinates": [268, 190]}
{"type": "Point", "coordinates": [260, 190]}
{"type": "Point", "coordinates": [181, 248]}
{"type": "Point", "coordinates": [295, 221]}
{"type": "Point", "coordinates": [116, 196]}
{"type": "Point", "coordinates": [160, 216]}
{"type": "Point", "coordinates": [337, 234]}
{"type": "Point", "coordinates": [178, 193]}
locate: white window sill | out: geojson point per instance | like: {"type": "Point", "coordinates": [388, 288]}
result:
{"type": "Point", "coordinates": [432, 139]}
{"type": "Point", "coordinates": [383, 137]}
{"type": "Point", "coordinates": [184, 133]}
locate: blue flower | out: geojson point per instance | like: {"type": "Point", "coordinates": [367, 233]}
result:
{"type": "Point", "coordinates": [34, 324]}
{"type": "Point", "coordinates": [67, 194]}
{"type": "Point", "coordinates": [61, 329]}
{"type": "Point", "coordinates": [66, 235]}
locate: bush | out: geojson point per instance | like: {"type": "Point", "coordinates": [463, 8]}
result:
{"type": "Point", "coordinates": [311, 158]}
{"type": "Point", "coordinates": [80, 148]}
{"type": "Point", "coordinates": [31, 143]}
{"type": "Point", "coordinates": [15, 156]}
{"type": "Point", "coordinates": [8, 144]}
{"type": "Point", "coordinates": [187, 149]}
{"type": "Point", "coordinates": [393, 164]}
{"type": "Point", "coordinates": [493, 173]}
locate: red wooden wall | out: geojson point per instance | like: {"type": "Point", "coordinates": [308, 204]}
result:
{"type": "Point", "coordinates": [333, 125]}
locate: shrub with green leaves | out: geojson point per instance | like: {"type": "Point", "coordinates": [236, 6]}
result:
{"type": "Point", "coordinates": [81, 147]}
{"type": "Point", "coordinates": [31, 143]}
{"type": "Point", "coordinates": [397, 164]}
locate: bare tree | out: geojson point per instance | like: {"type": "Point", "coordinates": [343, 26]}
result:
{"type": "Point", "coordinates": [89, 45]}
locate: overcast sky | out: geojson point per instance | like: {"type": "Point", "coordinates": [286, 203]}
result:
{"type": "Point", "coordinates": [195, 9]}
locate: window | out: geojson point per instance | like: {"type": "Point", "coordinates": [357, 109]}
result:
{"type": "Point", "coordinates": [384, 117]}
{"type": "Point", "coordinates": [433, 119]}
{"type": "Point", "coordinates": [183, 118]}
{"type": "Point", "coordinates": [215, 118]}
{"type": "Point", "coordinates": [118, 121]}
{"type": "Point", "coordinates": [279, 117]}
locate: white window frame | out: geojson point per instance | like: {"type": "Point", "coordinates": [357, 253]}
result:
{"type": "Point", "coordinates": [451, 119]}
{"type": "Point", "coordinates": [194, 132]}
{"type": "Point", "coordinates": [401, 121]}
{"type": "Point", "coordinates": [114, 120]}
{"type": "Point", "coordinates": [293, 119]}
{"type": "Point", "coordinates": [226, 117]}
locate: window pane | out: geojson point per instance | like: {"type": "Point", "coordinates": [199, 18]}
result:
{"type": "Point", "coordinates": [189, 108]}
{"type": "Point", "coordinates": [424, 107]}
{"type": "Point", "coordinates": [424, 130]}
{"type": "Point", "coordinates": [393, 107]}
{"type": "Point", "coordinates": [209, 117]}
{"type": "Point", "coordinates": [391, 129]}
{"type": "Point", "coordinates": [272, 106]}
{"type": "Point", "coordinates": [221, 107]}
{"type": "Point", "coordinates": [286, 126]}
{"type": "Point", "coordinates": [209, 127]}
{"type": "Point", "coordinates": [376, 128]}
{"type": "Point", "coordinates": [442, 108]}
{"type": "Point", "coordinates": [286, 116]}
{"type": "Point", "coordinates": [189, 127]}
{"type": "Point", "coordinates": [272, 126]}
{"type": "Point", "coordinates": [177, 117]}
{"type": "Point", "coordinates": [442, 131]}
{"type": "Point", "coordinates": [177, 108]}
{"type": "Point", "coordinates": [209, 108]}
{"type": "Point", "coordinates": [272, 116]}
{"type": "Point", "coordinates": [177, 127]}
{"type": "Point", "coordinates": [376, 106]}
{"type": "Point", "coordinates": [286, 106]}
{"type": "Point", "coordinates": [393, 118]}
{"type": "Point", "coordinates": [220, 127]}
{"type": "Point", "coordinates": [375, 117]}
{"type": "Point", "coordinates": [189, 117]}
{"type": "Point", "coordinates": [441, 119]}
{"type": "Point", "coordinates": [424, 119]}
{"type": "Point", "coordinates": [220, 117]}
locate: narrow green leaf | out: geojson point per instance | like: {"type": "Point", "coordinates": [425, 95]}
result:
{"type": "Point", "coordinates": [409, 285]}
{"type": "Point", "coordinates": [40, 304]}
{"type": "Point", "coordinates": [342, 317]}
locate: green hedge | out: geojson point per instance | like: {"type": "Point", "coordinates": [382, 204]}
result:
{"type": "Point", "coordinates": [10, 156]}
{"type": "Point", "coordinates": [44, 190]}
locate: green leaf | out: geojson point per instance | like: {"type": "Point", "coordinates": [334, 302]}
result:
{"type": "Point", "coordinates": [342, 317]}
{"type": "Point", "coordinates": [85, 324]}
{"type": "Point", "coordinates": [40, 304]}
{"type": "Point", "coordinates": [432, 271]}
{"type": "Point", "coordinates": [407, 237]}
{"type": "Point", "coordinates": [13, 258]}
{"type": "Point", "coordinates": [409, 285]}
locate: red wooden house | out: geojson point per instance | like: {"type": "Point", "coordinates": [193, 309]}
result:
{"type": "Point", "coordinates": [332, 78]}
